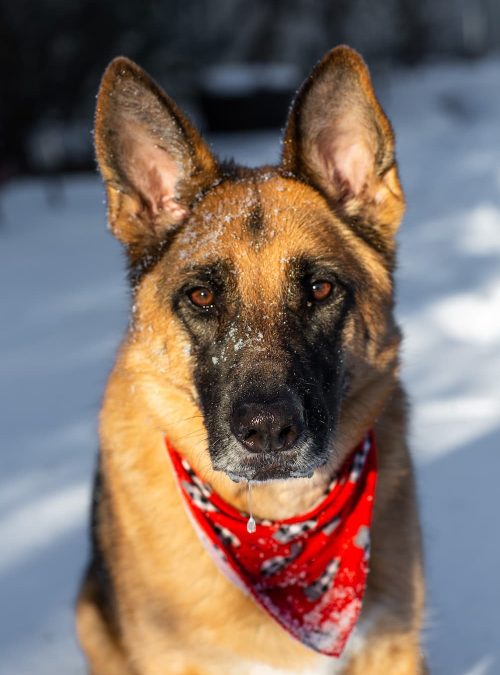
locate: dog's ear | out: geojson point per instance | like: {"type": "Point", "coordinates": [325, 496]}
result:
{"type": "Point", "coordinates": [153, 161]}
{"type": "Point", "coordinates": [339, 139]}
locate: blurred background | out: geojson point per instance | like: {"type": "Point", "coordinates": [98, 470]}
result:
{"type": "Point", "coordinates": [211, 55]}
{"type": "Point", "coordinates": [234, 66]}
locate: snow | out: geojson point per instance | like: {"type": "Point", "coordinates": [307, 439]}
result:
{"type": "Point", "coordinates": [64, 308]}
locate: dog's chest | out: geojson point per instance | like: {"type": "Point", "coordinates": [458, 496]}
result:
{"type": "Point", "coordinates": [262, 669]}
{"type": "Point", "coordinates": [322, 665]}
{"type": "Point", "coordinates": [319, 665]}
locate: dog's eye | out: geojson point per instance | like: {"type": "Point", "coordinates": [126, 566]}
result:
{"type": "Point", "coordinates": [201, 297]}
{"type": "Point", "coordinates": [321, 290]}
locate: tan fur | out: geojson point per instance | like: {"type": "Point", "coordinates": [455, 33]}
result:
{"type": "Point", "coordinates": [160, 623]}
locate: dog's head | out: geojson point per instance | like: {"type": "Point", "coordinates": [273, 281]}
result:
{"type": "Point", "coordinates": [265, 295]}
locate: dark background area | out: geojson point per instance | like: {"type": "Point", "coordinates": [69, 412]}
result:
{"type": "Point", "coordinates": [53, 53]}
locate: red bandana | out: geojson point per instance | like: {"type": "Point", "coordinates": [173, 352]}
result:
{"type": "Point", "coordinates": [308, 572]}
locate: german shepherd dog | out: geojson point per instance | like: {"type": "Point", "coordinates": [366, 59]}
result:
{"type": "Point", "coordinates": [262, 345]}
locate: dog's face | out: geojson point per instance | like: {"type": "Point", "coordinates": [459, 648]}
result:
{"type": "Point", "coordinates": [264, 299]}
{"type": "Point", "coordinates": [266, 293]}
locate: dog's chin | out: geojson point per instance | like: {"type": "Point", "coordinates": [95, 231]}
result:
{"type": "Point", "coordinates": [263, 467]}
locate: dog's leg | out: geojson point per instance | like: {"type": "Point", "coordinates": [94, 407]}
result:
{"type": "Point", "coordinates": [101, 648]}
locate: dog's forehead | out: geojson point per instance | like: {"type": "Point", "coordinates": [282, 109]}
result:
{"type": "Point", "coordinates": [258, 224]}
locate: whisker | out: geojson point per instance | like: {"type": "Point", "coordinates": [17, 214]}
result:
{"type": "Point", "coordinates": [193, 433]}
{"type": "Point", "coordinates": [188, 419]}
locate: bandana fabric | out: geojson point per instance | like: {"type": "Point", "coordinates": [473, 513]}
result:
{"type": "Point", "coordinates": [308, 572]}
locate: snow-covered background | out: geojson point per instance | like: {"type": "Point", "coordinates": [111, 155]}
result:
{"type": "Point", "coordinates": [64, 309]}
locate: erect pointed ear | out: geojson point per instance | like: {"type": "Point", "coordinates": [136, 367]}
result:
{"type": "Point", "coordinates": [153, 161]}
{"type": "Point", "coordinates": [339, 139]}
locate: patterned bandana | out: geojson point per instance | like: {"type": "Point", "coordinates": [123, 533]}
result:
{"type": "Point", "coordinates": [308, 572]}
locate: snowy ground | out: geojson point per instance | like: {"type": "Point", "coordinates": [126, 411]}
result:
{"type": "Point", "coordinates": [64, 307]}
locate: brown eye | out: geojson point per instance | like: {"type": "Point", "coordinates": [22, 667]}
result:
{"type": "Point", "coordinates": [202, 297]}
{"type": "Point", "coordinates": [321, 290]}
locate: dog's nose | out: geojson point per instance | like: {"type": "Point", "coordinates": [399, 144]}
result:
{"type": "Point", "coordinates": [267, 427]}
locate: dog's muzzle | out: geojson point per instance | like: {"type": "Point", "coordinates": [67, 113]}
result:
{"type": "Point", "coordinates": [269, 440]}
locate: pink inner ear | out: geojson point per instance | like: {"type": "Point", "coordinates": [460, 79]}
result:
{"type": "Point", "coordinates": [153, 173]}
{"type": "Point", "coordinates": [347, 158]}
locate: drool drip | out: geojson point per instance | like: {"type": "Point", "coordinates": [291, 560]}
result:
{"type": "Point", "coordinates": [251, 525]}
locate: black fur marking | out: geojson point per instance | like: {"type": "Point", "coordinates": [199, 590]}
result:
{"type": "Point", "coordinates": [137, 269]}
{"type": "Point", "coordinates": [255, 221]}
{"type": "Point", "coordinates": [98, 571]}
